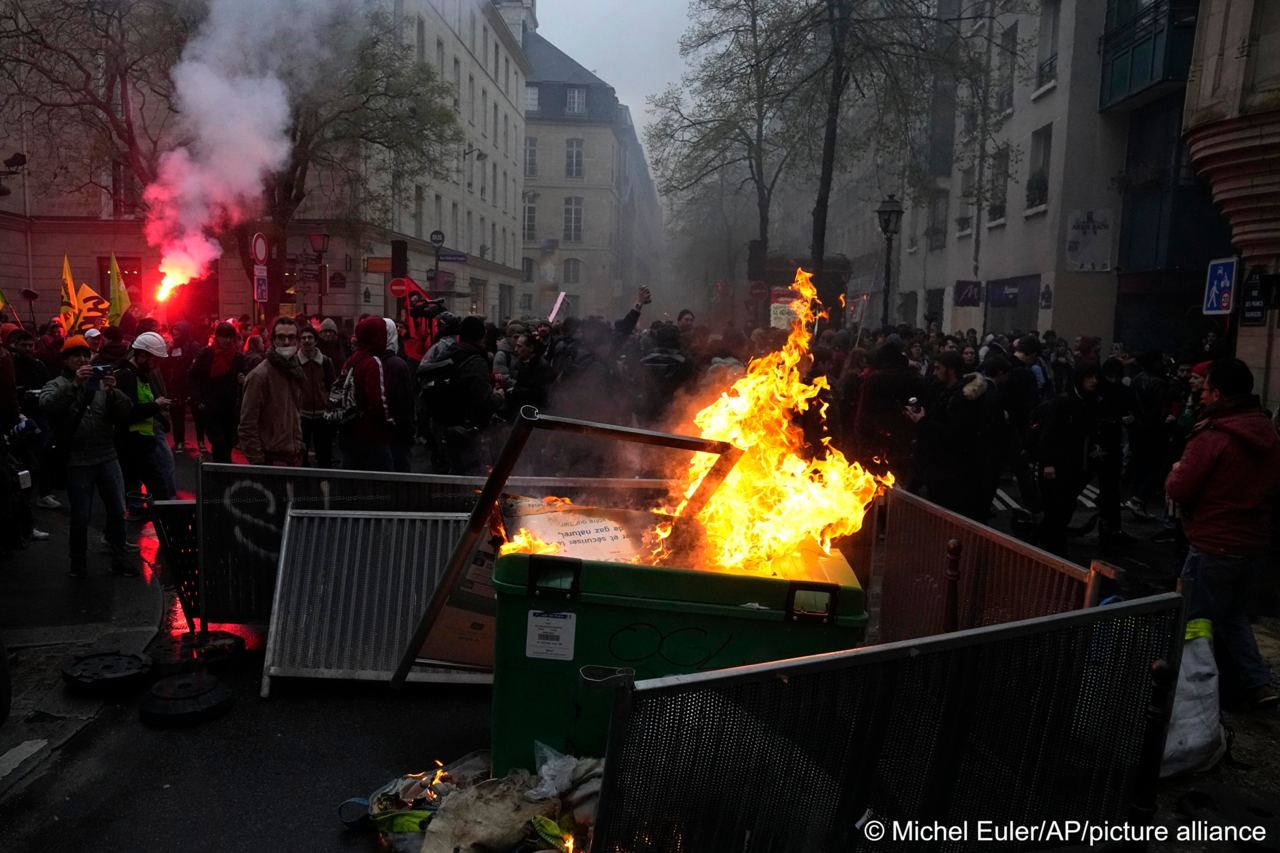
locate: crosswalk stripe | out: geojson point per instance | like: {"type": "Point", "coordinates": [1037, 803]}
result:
{"type": "Point", "coordinates": [1090, 504]}
{"type": "Point", "coordinates": [1091, 491]}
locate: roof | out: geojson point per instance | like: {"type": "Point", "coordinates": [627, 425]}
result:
{"type": "Point", "coordinates": [550, 64]}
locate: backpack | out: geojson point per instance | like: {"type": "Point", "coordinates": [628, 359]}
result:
{"type": "Point", "coordinates": [342, 407]}
{"type": "Point", "coordinates": [438, 386]}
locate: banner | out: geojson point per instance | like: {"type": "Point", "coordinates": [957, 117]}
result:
{"type": "Point", "coordinates": [92, 307]}
{"type": "Point", "coordinates": [116, 293]}
{"type": "Point", "coordinates": [69, 309]}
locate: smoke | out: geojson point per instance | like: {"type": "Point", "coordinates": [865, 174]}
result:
{"type": "Point", "coordinates": [233, 89]}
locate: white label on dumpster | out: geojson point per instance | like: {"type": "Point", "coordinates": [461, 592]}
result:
{"type": "Point", "coordinates": [550, 635]}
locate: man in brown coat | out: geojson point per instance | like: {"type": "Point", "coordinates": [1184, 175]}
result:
{"type": "Point", "coordinates": [271, 411]}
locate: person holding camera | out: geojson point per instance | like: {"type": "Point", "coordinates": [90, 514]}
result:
{"type": "Point", "coordinates": [85, 407]}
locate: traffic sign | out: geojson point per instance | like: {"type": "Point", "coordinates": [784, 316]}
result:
{"type": "Point", "coordinates": [453, 257]}
{"type": "Point", "coordinates": [1253, 300]}
{"type": "Point", "coordinates": [377, 265]}
{"type": "Point", "coordinates": [400, 287]}
{"type": "Point", "coordinates": [259, 283]}
{"type": "Point", "coordinates": [258, 248]}
{"type": "Point", "coordinates": [437, 238]}
{"type": "Point", "coordinates": [1219, 286]}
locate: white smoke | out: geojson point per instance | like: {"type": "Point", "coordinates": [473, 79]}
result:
{"type": "Point", "coordinates": [233, 103]}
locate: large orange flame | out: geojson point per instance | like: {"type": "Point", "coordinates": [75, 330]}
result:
{"type": "Point", "coordinates": [780, 495]}
{"type": "Point", "coordinates": [526, 541]}
{"type": "Point", "coordinates": [178, 269]}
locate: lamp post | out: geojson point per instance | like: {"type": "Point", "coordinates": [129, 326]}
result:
{"type": "Point", "coordinates": [890, 215]}
{"type": "Point", "coordinates": [319, 245]}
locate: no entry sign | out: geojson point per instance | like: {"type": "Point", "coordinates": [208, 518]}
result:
{"type": "Point", "coordinates": [399, 287]}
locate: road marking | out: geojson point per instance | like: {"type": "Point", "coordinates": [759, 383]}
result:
{"type": "Point", "coordinates": [1004, 496]}
{"type": "Point", "coordinates": [1090, 504]}
{"type": "Point", "coordinates": [1091, 491]}
{"type": "Point", "coordinates": [12, 759]}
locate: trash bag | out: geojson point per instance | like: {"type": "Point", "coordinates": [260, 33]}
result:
{"type": "Point", "coordinates": [555, 773]}
{"type": "Point", "coordinates": [1196, 739]}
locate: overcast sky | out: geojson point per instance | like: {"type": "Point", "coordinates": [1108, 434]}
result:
{"type": "Point", "coordinates": [630, 44]}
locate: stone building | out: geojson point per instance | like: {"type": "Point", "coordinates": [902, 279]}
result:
{"type": "Point", "coordinates": [477, 207]}
{"type": "Point", "coordinates": [591, 221]}
{"type": "Point", "coordinates": [1232, 124]}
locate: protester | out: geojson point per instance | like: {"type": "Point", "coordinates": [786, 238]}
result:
{"type": "Point", "coordinates": [400, 399]}
{"type": "Point", "coordinates": [176, 370]}
{"type": "Point", "coordinates": [884, 433]}
{"type": "Point", "coordinates": [138, 378]}
{"type": "Point", "coordinates": [464, 411]}
{"type": "Point", "coordinates": [331, 343]}
{"type": "Point", "coordinates": [215, 377]}
{"type": "Point", "coordinates": [366, 441]}
{"type": "Point", "coordinates": [1225, 483]}
{"type": "Point", "coordinates": [271, 412]}
{"type": "Point", "coordinates": [1063, 450]}
{"type": "Point", "coordinates": [1115, 412]}
{"type": "Point", "coordinates": [86, 407]}
{"type": "Point", "coordinates": [319, 373]}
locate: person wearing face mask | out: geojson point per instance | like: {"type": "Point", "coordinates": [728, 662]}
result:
{"type": "Point", "coordinates": [215, 381]}
{"type": "Point", "coordinates": [138, 378]}
{"type": "Point", "coordinates": [271, 412]}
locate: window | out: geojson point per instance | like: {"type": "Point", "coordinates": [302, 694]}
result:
{"type": "Point", "coordinates": [438, 222]}
{"type": "Point", "coordinates": [471, 98]}
{"type": "Point", "coordinates": [573, 158]}
{"type": "Point", "coordinates": [505, 197]}
{"type": "Point", "coordinates": [484, 44]}
{"type": "Point", "coordinates": [937, 230]}
{"type": "Point", "coordinates": [572, 271]}
{"type": "Point", "coordinates": [484, 182]}
{"type": "Point", "coordinates": [419, 202]}
{"type": "Point", "coordinates": [1038, 166]}
{"type": "Point", "coordinates": [470, 233]}
{"type": "Point", "coordinates": [526, 299]}
{"type": "Point", "coordinates": [1006, 65]}
{"type": "Point", "coordinates": [506, 135]}
{"type": "Point", "coordinates": [495, 60]}
{"type": "Point", "coordinates": [484, 249]}
{"type": "Point", "coordinates": [457, 84]}
{"type": "Point", "coordinates": [420, 42]}
{"type": "Point", "coordinates": [530, 221]}
{"type": "Point", "coordinates": [575, 100]}
{"type": "Point", "coordinates": [503, 256]}
{"type": "Point", "coordinates": [964, 221]}
{"type": "Point", "coordinates": [1047, 43]}
{"type": "Point", "coordinates": [473, 30]}
{"type": "Point", "coordinates": [573, 219]}
{"type": "Point", "coordinates": [999, 184]}
{"type": "Point", "coordinates": [526, 274]}
{"type": "Point", "coordinates": [531, 156]}
{"type": "Point", "coordinates": [531, 98]}
{"type": "Point", "coordinates": [495, 184]}
{"type": "Point", "coordinates": [484, 112]}
{"type": "Point", "coordinates": [130, 272]}
{"type": "Point", "coordinates": [440, 56]}
{"type": "Point", "coordinates": [493, 239]}
{"type": "Point", "coordinates": [453, 211]}
{"type": "Point", "coordinates": [506, 77]}
{"type": "Point", "coordinates": [495, 120]}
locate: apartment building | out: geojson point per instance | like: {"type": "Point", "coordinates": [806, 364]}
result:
{"type": "Point", "coordinates": [590, 216]}
{"type": "Point", "coordinates": [477, 207]}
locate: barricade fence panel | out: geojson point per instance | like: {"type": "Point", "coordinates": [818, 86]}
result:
{"type": "Point", "coordinates": [351, 587]}
{"type": "Point", "coordinates": [175, 524]}
{"type": "Point", "coordinates": [242, 508]}
{"type": "Point", "coordinates": [1036, 720]}
{"type": "Point", "coordinates": [1001, 578]}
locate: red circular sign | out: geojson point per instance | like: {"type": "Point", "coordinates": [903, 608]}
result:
{"type": "Point", "coordinates": [259, 248]}
{"type": "Point", "coordinates": [399, 287]}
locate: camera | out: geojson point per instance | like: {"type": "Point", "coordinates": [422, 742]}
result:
{"type": "Point", "coordinates": [425, 309]}
{"type": "Point", "coordinates": [101, 370]}
{"type": "Point", "coordinates": [914, 404]}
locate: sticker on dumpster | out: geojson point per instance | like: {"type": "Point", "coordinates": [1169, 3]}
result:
{"type": "Point", "coordinates": [550, 635]}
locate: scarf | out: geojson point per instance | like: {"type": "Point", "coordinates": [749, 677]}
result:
{"type": "Point", "coordinates": [291, 367]}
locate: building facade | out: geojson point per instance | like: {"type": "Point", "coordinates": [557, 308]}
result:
{"type": "Point", "coordinates": [477, 207]}
{"type": "Point", "coordinates": [1232, 125]}
{"type": "Point", "coordinates": [590, 222]}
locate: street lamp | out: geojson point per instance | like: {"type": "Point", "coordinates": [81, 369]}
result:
{"type": "Point", "coordinates": [319, 244]}
{"type": "Point", "coordinates": [890, 215]}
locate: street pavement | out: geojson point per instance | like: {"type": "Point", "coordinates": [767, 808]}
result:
{"type": "Point", "coordinates": [87, 774]}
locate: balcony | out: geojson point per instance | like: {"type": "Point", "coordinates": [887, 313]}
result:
{"type": "Point", "coordinates": [1147, 56]}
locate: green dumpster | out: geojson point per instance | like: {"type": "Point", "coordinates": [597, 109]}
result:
{"type": "Point", "coordinates": [558, 614]}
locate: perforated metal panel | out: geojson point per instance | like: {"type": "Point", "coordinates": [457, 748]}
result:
{"type": "Point", "coordinates": [1001, 579]}
{"type": "Point", "coordinates": [175, 524]}
{"type": "Point", "coordinates": [351, 586]}
{"type": "Point", "coordinates": [1043, 719]}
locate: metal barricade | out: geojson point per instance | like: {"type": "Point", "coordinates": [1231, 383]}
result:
{"type": "Point", "coordinates": [349, 591]}
{"type": "Point", "coordinates": [175, 524]}
{"type": "Point", "coordinates": [1060, 717]}
{"type": "Point", "coordinates": [242, 510]}
{"type": "Point", "coordinates": [1000, 579]}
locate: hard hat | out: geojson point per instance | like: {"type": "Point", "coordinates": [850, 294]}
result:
{"type": "Point", "coordinates": [151, 342]}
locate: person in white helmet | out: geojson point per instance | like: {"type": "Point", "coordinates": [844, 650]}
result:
{"type": "Point", "coordinates": [139, 378]}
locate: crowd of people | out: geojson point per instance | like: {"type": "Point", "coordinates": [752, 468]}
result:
{"type": "Point", "coordinates": [950, 415]}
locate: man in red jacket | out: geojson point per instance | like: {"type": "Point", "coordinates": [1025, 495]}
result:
{"type": "Point", "coordinates": [366, 441]}
{"type": "Point", "coordinates": [1225, 481]}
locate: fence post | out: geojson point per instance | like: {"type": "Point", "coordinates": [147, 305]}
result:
{"type": "Point", "coordinates": [1159, 708]}
{"type": "Point", "coordinates": [950, 615]}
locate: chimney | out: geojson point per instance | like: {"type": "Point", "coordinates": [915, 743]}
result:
{"type": "Point", "coordinates": [521, 16]}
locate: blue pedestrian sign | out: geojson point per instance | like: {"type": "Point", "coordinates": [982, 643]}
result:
{"type": "Point", "coordinates": [1219, 286]}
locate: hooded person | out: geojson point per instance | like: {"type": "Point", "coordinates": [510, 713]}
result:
{"type": "Point", "coordinates": [366, 440]}
{"type": "Point", "coordinates": [953, 433]}
{"type": "Point", "coordinates": [1226, 483]}
{"type": "Point", "coordinates": [331, 343]}
{"type": "Point", "coordinates": [139, 378]}
{"type": "Point", "coordinates": [270, 428]}
{"type": "Point", "coordinates": [214, 383]}
{"type": "Point", "coordinates": [884, 433]}
{"type": "Point", "coordinates": [462, 410]}
{"type": "Point", "coordinates": [1065, 449]}
{"type": "Point", "coordinates": [400, 398]}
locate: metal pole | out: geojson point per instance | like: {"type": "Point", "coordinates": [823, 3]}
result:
{"type": "Point", "coordinates": [951, 607]}
{"type": "Point", "coordinates": [888, 278]}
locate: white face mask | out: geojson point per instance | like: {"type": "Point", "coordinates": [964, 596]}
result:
{"type": "Point", "coordinates": [287, 352]}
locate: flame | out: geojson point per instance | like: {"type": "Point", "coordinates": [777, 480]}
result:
{"type": "Point", "coordinates": [178, 269]}
{"type": "Point", "coordinates": [527, 542]}
{"type": "Point", "coordinates": [568, 844]}
{"type": "Point", "coordinates": [780, 495]}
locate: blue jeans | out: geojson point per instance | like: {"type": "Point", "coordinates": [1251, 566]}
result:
{"type": "Point", "coordinates": [1218, 589]}
{"type": "Point", "coordinates": [107, 478]}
